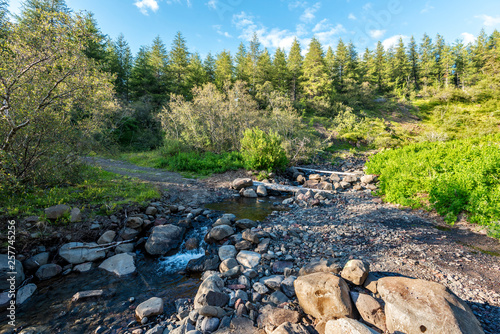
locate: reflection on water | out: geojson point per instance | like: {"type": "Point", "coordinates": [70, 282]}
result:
{"type": "Point", "coordinates": [249, 208]}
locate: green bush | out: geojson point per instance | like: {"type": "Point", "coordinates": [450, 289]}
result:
{"type": "Point", "coordinates": [453, 177]}
{"type": "Point", "coordinates": [263, 151]}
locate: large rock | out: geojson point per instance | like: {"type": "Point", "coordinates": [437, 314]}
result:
{"type": "Point", "coordinates": [212, 283]}
{"type": "Point", "coordinates": [75, 215]}
{"type": "Point", "coordinates": [248, 259]}
{"type": "Point", "coordinates": [5, 269]}
{"type": "Point", "coordinates": [163, 239]}
{"type": "Point", "coordinates": [227, 252]}
{"type": "Point", "coordinates": [323, 266]}
{"type": "Point", "coordinates": [272, 317]}
{"type": "Point", "coordinates": [355, 271]}
{"type": "Point", "coordinates": [242, 183]}
{"type": "Point", "coordinates": [347, 326]}
{"type": "Point", "coordinates": [47, 271]}
{"type": "Point", "coordinates": [77, 252]}
{"type": "Point", "coordinates": [204, 263]}
{"type": "Point", "coordinates": [370, 309]}
{"type": "Point", "coordinates": [261, 191]}
{"type": "Point", "coordinates": [120, 264]}
{"type": "Point", "coordinates": [368, 178]}
{"type": "Point", "coordinates": [220, 232]}
{"type": "Point", "coordinates": [134, 222]}
{"type": "Point", "coordinates": [33, 263]}
{"type": "Point", "coordinates": [324, 296]}
{"type": "Point", "coordinates": [106, 237]}
{"type": "Point", "coordinates": [415, 306]}
{"type": "Point", "coordinates": [24, 293]}
{"type": "Point", "coordinates": [249, 193]}
{"type": "Point", "coordinates": [57, 211]}
{"type": "Point", "coordinates": [149, 308]}
{"type": "Point", "coordinates": [245, 223]}
{"type": "Point", "coordinates": [290, 328]}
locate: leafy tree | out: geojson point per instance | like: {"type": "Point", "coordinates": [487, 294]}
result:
{"type": "Point", "coordinates": [294, 64]}
{"type": "Point", "coordinates": [179, 61]}
{"type": "Point", "coordinates": [223, 69]}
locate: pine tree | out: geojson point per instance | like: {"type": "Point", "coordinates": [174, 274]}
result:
{"type": "Point", "coordinates": [253, 57]}
{"type": "Point", "coordinates": [240, 61]}
{"type": "Point", "coordinates": [413, 58]}
{"type": "Point", "coordinates": [427, 61]}
{"type": "Point", "coordinates": [119, 62]}
{"type": "Point", "coordinates": [400, 67]}
{"type": "Point", "coordinates": [340, 65]}
{"type": "Point", "coordinates": [379, 71]}
{"type": "Point", "coordinates": [178, 65]}
{"type": "Point", "coordinates": [264, 68]}
{"type": "Point", "coordinates": [463, 64]}
{"type": "Point", "coordinates": [209, 66]}
{"type": "Point", "coordinates": [223, 69]}
{"type": "Point", "coordinates": [158, 61]}
{"type": "Point", "coordinates": [478, 54]}
{"type": "Point", "coordinates": [142, 79]}
{"type": "Point", "coordinates": [280, 72]}
{"type": "Point", "coordinates": [367, 68]}
{"type": "Point", "coordinates": [197, 76]}
{"type": "Point", "coordinates": [294, 64]}
{"type": "Point", "coordinates": [352, 64]}
{"type": "Point", "coordinates": [315, 81]}
{"type": "Point", "coordinates": [441, 51]}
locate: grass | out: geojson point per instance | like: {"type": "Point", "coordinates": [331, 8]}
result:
{"type": "Point", "coordinates": [98, 187]}
{"type": "Point", "coordinates": [188, 163]}
{"type": "Point", "coordinates": [453, 177]}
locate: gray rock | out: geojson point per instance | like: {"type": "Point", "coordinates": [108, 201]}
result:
{"type": "Point", "coordinates": [249, 193]}
{"type": "Point", "coordinates": [240, 294]}
{"type": "Point", "coordinates": [227, 265]}
{"type": "Point", "coordinates": [278, 297]}
{"type": "Point", "coordinates": [323, 265]}
{"type": "Point", "coordinates": [280, 266]}
{"type": "Point", "coordinates": [251, 236]}
{"type": "Point", "coordinates": [287, 286]}
{"type": "Point", "coordinates": [261, 191]}
{"type": "Point", "coordinates": [158, 329]}
{"type": "Point", "coordinates": [32, 264]}
{"type": "Point", "coordinates": [106, 237]}
{"type": "Point", "coordinates": [227, 252]}
{"type": "Point", "coordinates": [288, 201]}
{"type": "Point", "coordinates": [84, 267]}
{"type": "Point", "coordinates": [47, 271]}
{"type": "Point", "coordinates": [89, 294]}
{"type": "Point", "coordinates": [272, 282]}
{"type": "Point", "coordinates": [24, 293]}
{"type": "Point", "coordinates": [124, 248]}
{"type": "Point", "coordinates": [248, 259]}
{"type": "Point", "coordinates": [355, 271]}
{"type": "Point", "coordinates": [368, 178]}
{"type": "Point", "coordinates": [209, 325]}
{"type": "Point", "coordinates": [75, 215]}
{"type": "Point", "coordinates": [128, 233]}
{"type": "Point", "coordinates": [212, 283]}
{"type": "Point", "coordinates": [245, 223]}
{"type": "Point", "coordinates": [57, 211]}
{"type": "Point", "coordinates": [289, 328]}
{"type": "Point", "coordinates": [77, 252]}
{"type": "Point", "coordinates": [134, 222]}
{"type": "Point", "coordinates": [347, 326]}
{"type": "Point", "coordinates": [120, 264]}
{"type": "Point", "coordinates": [149, 308]}
{"type": "Point", "coordinates": [220, 232]}
{"type": "Point", "coordinates": [242, 183]}
{"type": "Point", "coordinates": [4, 300]}
{"type": "Point", "coordinates": [151, 210]}
{"type": "Point", "coordinates": [163, 239]}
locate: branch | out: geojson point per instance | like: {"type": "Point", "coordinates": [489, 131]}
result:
{"type": "Point", "coordinates": [12, 132]}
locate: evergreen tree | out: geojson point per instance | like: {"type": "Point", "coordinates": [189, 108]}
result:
{"type": "Point", "coordinates": [413, 58]}
{"type": "Point", "coordinates": [280, 72]}
{"type": "Point", "coordinates": [142, 79]}
{"type": "Point", "coordinates": [367, 68]}
{"type": "Point", "coordinates": [427, 61]}
{"type": "Point", "coordinates": [264, 68]}
{"type": "Point", "coordinates": [179, 61]}
{"type": "Point", "coordinates": [223, 69]}
{"type": "Point", "coordinates": [330, 63]}
{"type": "Point", "coordinates": [380, 65]}
{"type": "Point", "coordinates": [315, 81]}
{"type": "Point", "coordinates": [158, 61]}
{"type": "Point", "coordinates": [119, 62]}
{"type": "Point", "coordinates": [209, 66]}
{"type": "Point", "coordinates": [197, 75]}
{"type": "Point", "coordinates": [478, 55]}
{"type": "Point", "coordinates": [400, 67]}
{"type": "Point", "coordinates": [352, 64]}
{"type": "Point", "coordinates": [241, 63]}
{"type": "Point", "coordinates": [294, 64]}
{"type": "Point", "coordinates": [340, 65]}
{"type": "Point", "coordinates": [463, 64]}
{"type": "Point", "coordinates": [440, 52]}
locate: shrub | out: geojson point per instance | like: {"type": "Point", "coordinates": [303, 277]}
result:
{"type": "Point", "coordinates": [263, 151]}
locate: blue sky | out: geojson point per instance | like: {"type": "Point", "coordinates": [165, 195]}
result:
{"type": "Point", "coordinates": [215, 25]}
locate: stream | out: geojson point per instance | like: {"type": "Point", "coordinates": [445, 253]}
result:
{"type": "Point", "coordinates": [51, 309]}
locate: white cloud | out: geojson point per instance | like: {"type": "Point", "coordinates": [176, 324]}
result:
{"type": "Point", "coordinates": [428, 7]}
{"type": "Point", "coordinates": [212, 4]}
{"type": "Point", "coordinates": [367, 6]}
{"type": "Point", "coordinates": [352, 17]}
{"type": "Point", "coordinates": [376, 33]}
{"type": "Point", "coordinates": [218, 29]}
{"type": "Point", "coordinates": [309, 13]}
{"type": "Point", "coordinates": [392, 41]}
{"type": "Point", "coordinates": [489, 21]}
{"type": "Point", "coordinates": [325, 37]}
{"type": "Point", "coordinates": [170, 2]}
{"type": "Point", "coordinates": [468, 38]}
{"type": "Point", "coordinates": [296, 4]}
{"type": "Point", "coordinates": [145, 5]}
{"type": "Point", "coordinates": [322, 25]}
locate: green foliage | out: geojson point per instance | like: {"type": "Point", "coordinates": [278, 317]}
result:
{"type": "Point", "coordinates": [263, 151]}
{"type": "Point", "coordinates": [93, 186]}
{"type": "Point", "coordinates": [451, 177]}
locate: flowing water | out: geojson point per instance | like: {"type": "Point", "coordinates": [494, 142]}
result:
{"type": "Point", "coordinates": [51, 310]}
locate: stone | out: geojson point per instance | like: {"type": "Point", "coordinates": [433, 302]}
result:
{"type": "Point", "coordinates": [368, 178]}
{"type": "Point", "coordinates": [24, 293]}
{"type": "Point", "coordinates": [323, 265]}
{"type": "Point", "coordinates": [124, 248]}
{"type": "Point", "coordinates": [288, 201]}
{"type": "Point", "coordinates": [233, 272]}
{"type": "Point", "coordinates": [203, 263]}
{"type": "Point", "coordinates": [149, 308]}
{"type": "Point", "coordinates": [287, 286]}
{"type": "Point", "coordinates": [248, 259]}
{"type": "Point", "coordinates": [128, 233]}
{"type": "Point", "coordinates": [251, 236]}
{"type": "Point", "coordinates": [263, 246]}
{"type": "Point", "coordinates": [261, 191]}
{"type": "Point", "coordinates": [120, 264]}
{"type": "Point", "coordinates": [245, 224]}
{"type": "Point", "coordinates": [334, 178]}
{"type": "Point", "coordinates": [106, 238]}
{"type": "Point", "coordinates": [83, 267]}
{"type": "Point", "coordinates": [315, 177]}
{"type": "Point", "coordinates": [211, 311]}
{"type": "Point", "coordinates": [227, 252]}
{"type": "Point", "coordinates": [260, 288]}
{"type": "Point", "coordinates": [418, 306]}
{"type": "Point", "coordinates": [347, 326]}
{"type": "Point", "coordinates": [311, 184]}
{"type": "Point", "coordinates": [231, 217]}
{"type": "Point", "coordinates": [324, 296]}
{"type": "Point", "coordinates": [4, 300]}
{"type": "Point", "coordinates": [371, 283]}
{"type": "Point", "coordinates": [278, 297]}
{"type": "Point", "coordinates": [272, 282]}
{"type": "Point", "coordinates": [151, 210]}
{"type": "Point", "coordinates": [32, 264]}
{"type": "Point", "coordinates": [370, 309]}
{"type": "Point", "coordinates": [242, 183]}
{"type": "Point", "coordinates": [227, 265]}
{"type": "Point", "coordinates": [158, 329]}
{"type": "Point", "coordinates": [325, 186]}
{"type": "Point", "coordinates": [249, 193]}
{"type": "Point", "coordinates": [289, 328]}
{"type": "Point", "coordinates": [47, 271]}
{"type": "Point", "coordinates": [75, 215]}
{"type": "Point", "coordinates": [245, 281]}
{"type": "Point", "coordinates": [280, 266]}
{"type": "Point", "coordinates": [163, 239]}
{"type": "Point", "coordinates": [192, 243]}
{"type": "Point", "coordinates": [134, 222]}
{"type": "Point", "coordinates": [220, 232]}
{"type": "Point", "coordinates": [84, 295]}
{"type": "Point", "coordinates": [222, 221]}
{"type": "Point", "coordinates": [212, 283]}
{"type": "Point", "coordinates": [57, 211]}
{"type": "Point", "coordinates": [244, 245]}
{"type": "Point", "coordinates": [209, 325]}
{"type": "Point", "coordinates": [355, 271]}
{"type": "Point", "coordinates": [242, 325]}
{"type": "Point", "coordinates": [271, 317]}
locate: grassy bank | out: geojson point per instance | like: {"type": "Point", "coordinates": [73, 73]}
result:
{"type": "Point", "coordinates": [95, 187]}
{"type": "Point", "coordinates": [453, 177]}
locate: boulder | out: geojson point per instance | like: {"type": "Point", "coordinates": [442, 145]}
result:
{"type": "Point", "coordinates": [151, 210]}
{"type": "Point", "coordinates": [204, 263]}
{"type": "Point", "coordinates": [25, 293]}
{"type": "Point", "coordinates": [124, 248]}
{"type": "Point", "coordinates": [57, 211]}
{"type": "Point", "coordinates": [209, 325]}
{"type": "Point", "coordinates": [212, 283]}
{"type": "Point", "coordinates": [249, 193]}
{"type": "Point", "coordinates": [272, 317]}
{"type": "Point", "coordinates": [323, 265]}
{"type": "Point", "coordinates": [347, 326]}
{"type": "Point", "coordinates": [222, 221]}
{"type": "Point", "coordinates": [120, 264]}
{"type": "Point", "coordinates": [128, 233]}
{"type": "Point", "coordinates": [106, 237]}
{"type": "Point", "coordinates": [370, 309]}
{"type": "Point", "coordinates": [227, 252]}
{"type": "Point", "coordinates": [83, 267]}
{"type": "Point", "coordinates": [272, 282]}
{"type": "Point", "coordinates": [368, 178]}
{"type": "Point", "coordinates": [355, 271]}
{"type": "Point", "coordinates": [33, 263]}
{"type": "Point", "coordinates": [324, 296]}
{"type": "Point", "coordinates": [227, 264]}
{"type": "Point", "coordinates": [163, 239]}
{"type": "Point", "coordinates": [149, 308]}
{"type": "Point", "coordinates": [134, 222]}
{"type": "Point", "coordinates": [242, 183]}
{"type": "Point", "coordinates": [192, 243]}
{"type": "Point", "coordinates": [287, 286]}
{"type": "Point", "coordinates": [248, 259]}
{"type": "Point", "coordinates": [5, 269]}
{"type": "Point", "coordinates": [75, 215]}
{"type": "Point", "coordinates": [371, 283]}
{"type": "Point", "coordinates": [220, 232]}
{"type": "Point", "coordinates": [245, 224]}
{"type": "Point", "coordinates": [416, 306]}
{"type": "Point", "coordinates": [289, 328]}
{"type": "Point", "coordinates": [77, 252]}
{"type": "Point", "coordinates": [251, 236]}
{"type": "Point", "coordinates": [261, 191]}
{"type": "Point", "coordinates": [47, 271]}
